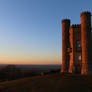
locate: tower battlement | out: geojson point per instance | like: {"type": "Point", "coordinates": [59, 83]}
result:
{"type": "Point", "coordinates": [75, 25]}
{"type": "Point", "coordinates": [85, 13]}
{"type": "Point", "coordinates": [64, 20]}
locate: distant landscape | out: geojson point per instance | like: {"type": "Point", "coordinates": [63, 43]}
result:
{"type": "Point", "coordinates": [47, 68]}
{"type": "Point", "coordinates": [13, 72]}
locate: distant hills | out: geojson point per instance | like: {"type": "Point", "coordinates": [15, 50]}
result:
{"type": "Point", "coordinates": [35, 67]}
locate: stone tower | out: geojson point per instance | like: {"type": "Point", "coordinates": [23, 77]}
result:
{"type": "Point", "coordinates": [65, 44]}
{"type": "Point", "coordinates": [86, 42]}
{"type": "Point", "coordinates": [77, 45]}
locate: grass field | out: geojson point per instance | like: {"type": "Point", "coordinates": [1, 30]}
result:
{"type": "Point", "coordinates": [49, 83]}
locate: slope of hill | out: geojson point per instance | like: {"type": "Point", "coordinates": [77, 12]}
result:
{"type": "Point", "coordinates": [49, 83]}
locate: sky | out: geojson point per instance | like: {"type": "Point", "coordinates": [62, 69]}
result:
{"type": "Point", "coordinates": [31, 31]}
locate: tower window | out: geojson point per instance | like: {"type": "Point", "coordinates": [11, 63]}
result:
{"type": "Point", "coordinates": [79, 57]}
{"type": "Point", "coordinates": [91, 30]}
{"type": "Point", "coordinates": [78, 44]}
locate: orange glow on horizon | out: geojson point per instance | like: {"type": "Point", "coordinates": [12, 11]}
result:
{"type": "Point", "coordinates": [29, 61]}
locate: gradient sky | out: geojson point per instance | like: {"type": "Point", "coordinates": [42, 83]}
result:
{"type": "Point", "coordinates": [30, 30]}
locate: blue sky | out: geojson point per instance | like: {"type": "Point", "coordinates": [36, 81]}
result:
{"type": "Point", "coordinates": [30, 30]}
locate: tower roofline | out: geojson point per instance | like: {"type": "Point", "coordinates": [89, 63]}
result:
{"type": "Point", "coordinates": [85, 13]}
{"type": "Point", "coordinates": [64, 20]}
{"type": "Point", "coordinates": [75, 25]}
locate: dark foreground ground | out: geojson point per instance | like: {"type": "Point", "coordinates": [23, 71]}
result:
{"type": "Point", "coordinates": [49, 83]}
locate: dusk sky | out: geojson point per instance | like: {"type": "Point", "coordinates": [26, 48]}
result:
{"type": "Point", "coordinates": [30, 30]}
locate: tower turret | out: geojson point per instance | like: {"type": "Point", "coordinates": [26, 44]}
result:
{"type": "Point", "coordinates": [65, 45]}
{"type": "Point", "coordinates": [86, 42]}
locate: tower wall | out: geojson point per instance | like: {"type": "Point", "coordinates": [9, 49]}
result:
{"type": "Point", "coordinates": [65, 45]}
{"type": "Point", "coordinates": [86, 42]}
{"type": "Point", "coordinates": [72, 47]}
{"type": "Point", "coordinates": [75, 45]}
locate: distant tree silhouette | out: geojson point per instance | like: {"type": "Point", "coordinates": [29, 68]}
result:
{"type": "Point", "coordinates": [10, 72]}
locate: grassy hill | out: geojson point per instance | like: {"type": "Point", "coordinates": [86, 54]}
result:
{"type": "Point", "coordinates": [49, 83]}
